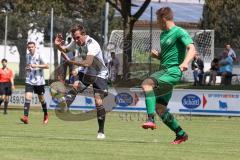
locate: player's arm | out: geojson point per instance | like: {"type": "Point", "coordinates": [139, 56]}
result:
{"type": "Point", "coordinates": [64, 56]}
{"type": "Point", "coordinates": [43, 66]}
{"type": "Point", "coordinates": [84, 63]}
{"type": "Point", "coordinates": [12, 80]}
{"type": "Point", "coordinates": [191, 52]}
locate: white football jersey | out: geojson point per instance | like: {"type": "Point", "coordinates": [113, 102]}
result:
{"type": "Point", "coordinates": [35, 76]}
{"type": "Point", "coordinates": [98, 67]}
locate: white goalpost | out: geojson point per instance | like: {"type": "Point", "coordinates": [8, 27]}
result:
{"type": "Point", "coordinates": [203, 40]}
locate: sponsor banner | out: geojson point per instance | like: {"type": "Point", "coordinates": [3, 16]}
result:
{"type": "Point", "coordinates": [207, 102]}
{"type": "Point", "coordinates": [183, 101]}
{"type": "Point", "coordinates": [17, 99]}
{"type": "Point", "coordinates": [122, 99]}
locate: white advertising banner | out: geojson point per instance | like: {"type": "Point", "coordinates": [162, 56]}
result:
{"type": "Point", "coordinates": [183, 101]}
{"type": "Point", "coordinates": [205, 102]}
{"type": "Point", "coordinates": [17, 99]}
{"type": "Point", "coordinates": [121, 99]}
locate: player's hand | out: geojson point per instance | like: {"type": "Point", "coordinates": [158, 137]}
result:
{"type": "Point", "coordinates": [33, 65]}
{"type": "Point", "coordinates": [154, 53]}
{"type": "Point", "coordinates": [183, 67]}
{"type": "Point", "coordinates": [13, 87]}
{"type": "Point", "coordinates": [59, 40]}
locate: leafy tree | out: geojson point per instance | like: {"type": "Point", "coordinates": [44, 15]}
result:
{"type": "Point", "coordinates": [90, 14]}
{"type": "Point", "coordinates": [222, 16]}
{"type": "Point", "coordinates": [37, 13]}
{"type": "Point", "coordinates": [128, 21]}
{"type": "Point", "coordinates": [26, 15]}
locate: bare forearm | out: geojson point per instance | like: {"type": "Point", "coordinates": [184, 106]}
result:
{"type": "Point", "coordinates": [43, 66]}
{"type": "Point", "coordinates": [191, 52]}
{"type": "Point", "coordinates": [12, 81]}
{"type": "Point", "coordinates": [61, 48]}
{"type": "Point", "coordinates": [81, 63]}
{"type": "Point", "coordinates": [84, 63]}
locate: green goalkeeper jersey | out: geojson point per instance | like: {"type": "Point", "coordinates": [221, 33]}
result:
{"type": "Point", "coordinates": [173, 46]}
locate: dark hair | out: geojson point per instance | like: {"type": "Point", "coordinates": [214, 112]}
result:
{"type": "Point", "coordinates": [4, 60]}
{"type": "Point", "coordinates": [31, 43]}
{"type": "Point", "coordinates": [78, 28]}
{"type": "Point", "coordinates": [165, 12]}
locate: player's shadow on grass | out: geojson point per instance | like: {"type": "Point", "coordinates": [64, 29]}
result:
{"type": "Point", "coordinates": [68, 115]}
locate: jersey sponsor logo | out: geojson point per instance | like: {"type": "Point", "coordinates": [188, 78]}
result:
{"type": "Point", "coordinates": [169, 41]}
{"type": "Point", "coordinates": [191, 101]}
{"type": "Point", "coordinates": [123, 99]}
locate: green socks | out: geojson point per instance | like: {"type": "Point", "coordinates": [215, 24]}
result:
{"type": "Point", "coordinates": [172, 123]}
{"type": "Point", "coordinates": [150, 102]}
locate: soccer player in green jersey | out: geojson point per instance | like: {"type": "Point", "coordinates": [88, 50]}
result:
{"type": "Point", "coordinates": [177, 51]}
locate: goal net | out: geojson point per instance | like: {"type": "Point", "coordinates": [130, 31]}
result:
{"type": "Point", "coordinates": [143, 41]}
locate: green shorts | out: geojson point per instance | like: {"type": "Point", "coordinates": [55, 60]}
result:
{"type": "Point", "coordinates": [165, 79]}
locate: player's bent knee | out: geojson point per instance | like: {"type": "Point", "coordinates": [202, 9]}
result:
{"type": "Point", "coordinates": [147, 84]}
{"type": "Point", "coordinates": [98, 101]}
{"type": "Point", "coordinates": [101, 94]}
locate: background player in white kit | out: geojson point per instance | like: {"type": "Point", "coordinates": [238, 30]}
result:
{"type": "Point", "coordinates": [35, 81]}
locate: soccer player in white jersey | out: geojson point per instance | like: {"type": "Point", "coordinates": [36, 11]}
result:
{"type": "Point", "coordinates": [35, 81]}
{"type": "Point", "coordinates": [95, 72]}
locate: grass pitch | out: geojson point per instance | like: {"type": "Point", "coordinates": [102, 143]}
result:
{"type": "Point", "coordinates": [209, 138]}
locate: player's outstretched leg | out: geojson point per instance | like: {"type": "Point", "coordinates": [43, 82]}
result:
{"type": "Point", "coordinates": [172, 123]}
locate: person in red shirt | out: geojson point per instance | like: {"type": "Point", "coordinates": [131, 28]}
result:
{"type": "Point", "coordinates": [6, 84]}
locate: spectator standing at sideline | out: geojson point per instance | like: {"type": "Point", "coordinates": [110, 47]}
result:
{"type": "Point", "coordinates": [231, 52]}
{"type": "Point", "coordinates": [226, 66]}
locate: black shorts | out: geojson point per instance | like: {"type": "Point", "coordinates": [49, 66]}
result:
{"type": "Point", "coordinates": [6, 88]}
{"type": "Point", "coordinates": [39, 90]}
{"type": "Point", "coordinates": [99, 84]}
